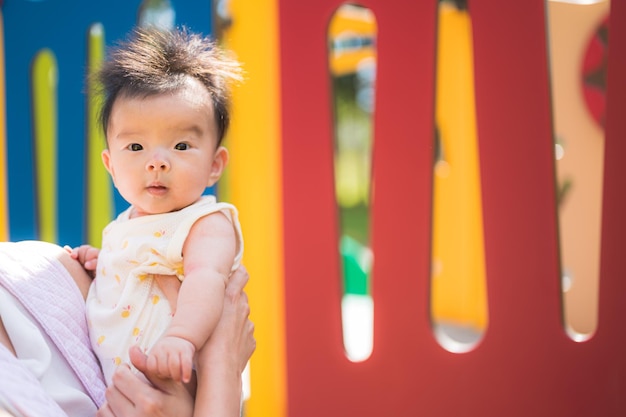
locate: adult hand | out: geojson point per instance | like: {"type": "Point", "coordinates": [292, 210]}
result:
{"type": "Point", "coordinates": [233, 338]}
{"type": "Point", "coordinates": [130, 395]}
{"type": "Point", "coordinates": [224, 357]}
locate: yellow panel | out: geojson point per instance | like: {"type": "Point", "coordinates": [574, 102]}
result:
{"type": "Point", "coordinates": [4, 202]}
{"type": "Point", "coordinates": [255, 188]}
{"type": "Point", "coordinates": [359, 20]}
{"type": "Point", "coordinates": [99, 191]}
{"type": "Point", "coordinates": [354, 28]}
{"type": "Point", "coordinates": [44, 85]}
{"type": "Point", "coordinates": [459, 289]}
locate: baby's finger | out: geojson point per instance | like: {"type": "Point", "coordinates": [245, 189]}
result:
{"type": "Point", "coordinates": [152, 364]}
{"type": "Point", "coordinates": [174, 367]}
{"type": "Point", "coordinates": [72, 251]}
{"type": "Point", "coordinates": [186, 370]}
{"type": "Point", "coordinates": [163, 368]}
{"type": "Point", "coordinates": [91, 265]}
{"type": "Point", "coordinates": [92, 252]}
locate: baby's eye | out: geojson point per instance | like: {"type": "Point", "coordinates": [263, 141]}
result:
{"type": "Point", "coordinates": [181, 146]}
{"type": "Point", "coordinates": [134, 147]}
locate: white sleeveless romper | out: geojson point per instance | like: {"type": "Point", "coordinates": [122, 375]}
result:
{"type": "Point", "coordinates": [125, 306]}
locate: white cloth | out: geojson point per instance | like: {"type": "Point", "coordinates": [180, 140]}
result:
{"type": "Point", "coordinates": [55, 372]}
{"type": "Point", "coordinates": [125, 306]}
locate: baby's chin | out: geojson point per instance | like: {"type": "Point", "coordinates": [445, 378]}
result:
{"type": "Point", "coordinates": [159, 205]}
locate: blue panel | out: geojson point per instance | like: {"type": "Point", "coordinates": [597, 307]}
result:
{"type": "Point", "coordinates": [62, 25]}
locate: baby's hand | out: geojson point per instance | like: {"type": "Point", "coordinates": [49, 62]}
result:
{"type": "Point", "coordinates": [86, 255]}
{"type": "Point", "coordinates": [172, 357]}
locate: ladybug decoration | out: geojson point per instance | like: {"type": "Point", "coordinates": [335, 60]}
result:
{"type": "Point", "coordinates": [594, 72]}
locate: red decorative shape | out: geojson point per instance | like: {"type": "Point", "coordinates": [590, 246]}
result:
{"type": "Point", "coordinates": [525, 365]}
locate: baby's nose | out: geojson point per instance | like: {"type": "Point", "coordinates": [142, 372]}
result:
{"type": "Point", "coordinates": [158, 163]}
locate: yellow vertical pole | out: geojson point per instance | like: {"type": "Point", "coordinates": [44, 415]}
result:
{"type": "Point", "coordinates": [255, 188]}
{"type": "Point", "coordinates": [44, 93]}
{"type": "Point", "coordinates": [99, 192]}
{"type": "Point", "coordinates": [459, 284]}
{"type": "Point", "coordinates": [4, 201]}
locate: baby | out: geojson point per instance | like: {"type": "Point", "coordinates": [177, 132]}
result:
{"type": "Point", "coordinates": [161, 273]}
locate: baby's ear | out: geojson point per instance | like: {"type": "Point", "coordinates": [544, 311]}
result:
{"type": "Point", "coordinates": [220, 160]}
{"type": "Point", "coordinates": [106, 161]}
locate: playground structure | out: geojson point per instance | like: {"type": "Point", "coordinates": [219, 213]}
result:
{"type": "Point", "coordinates": [282, 177]}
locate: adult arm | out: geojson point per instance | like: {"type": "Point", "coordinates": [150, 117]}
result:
{"type": "Point", "coordinates": [224, 357]}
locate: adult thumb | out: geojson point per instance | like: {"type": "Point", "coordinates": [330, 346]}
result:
{"type": "Point", "coordinates": [138, 359]}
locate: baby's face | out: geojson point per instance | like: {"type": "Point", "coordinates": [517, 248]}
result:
{"type": "Point", "coordinates": [162, 150]}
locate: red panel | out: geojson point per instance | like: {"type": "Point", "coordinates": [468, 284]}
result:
{"type": "Point", "coordinates": [612, 307]}
{"type": "Point", "coordinates": [321, 381]}
{"type": "Point", "coordinates": [526, 365]}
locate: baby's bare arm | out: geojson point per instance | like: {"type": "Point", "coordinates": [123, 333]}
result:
{"type": "Point", "coordinates": [208, 256]}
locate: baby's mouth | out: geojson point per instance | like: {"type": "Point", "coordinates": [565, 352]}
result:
{"type": "Point", "coordinates": [157, 189]}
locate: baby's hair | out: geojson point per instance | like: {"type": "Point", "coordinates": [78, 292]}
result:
{"type": "Point", "coordinates": [155, 61]}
